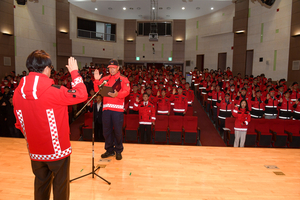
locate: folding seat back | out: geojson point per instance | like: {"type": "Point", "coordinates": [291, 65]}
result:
{"type": "Point", "coordinates": [175, 129]}
{"type": "Point", "coordinates": [131, 128]}
{"type": "Point", "coordinates": [191, 130]}
{"type": "Point", "coordinates": [190, 111]}
{"type": "Point", "coordinates": [279, 136]}
{"type": "Point", "coordinates": [292, 128]}
{"type": "Point", "coordinates": [251, 137]}
{"type": "Point", "coordinates": [87, 128]}
{"type": "Point", "coordinates": [161, 129]}
{"type": "Point", "coordinates": [264, 136]}
{"type": "Point", "coordinates": [229, 131]}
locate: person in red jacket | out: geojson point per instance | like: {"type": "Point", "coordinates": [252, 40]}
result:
{"type": "Point", "coordinates": [296, 107]}
{"type": "Point", "coordinates": [163, 103]}
{"type": "Point", "coordinates": [132, 96]}
{"type": "Point", "coordinates": [242, 120]}
{"type": "Point", "coordinates": [113, 107]}
{"type": "Point", "coordinates": [257, 105]}
{"type": "Point", "coordinates": [225, 106]}
{"type": "Point", "coordinates": [146, 117]}
{"type": "Point", "coordinates": [285, 106]}
{"type": "Point", "coordinates": [180, 102]}
{"type": "Point", "coordinates": [189, 94]}
{"type": "Point", "coordinates": [41, 110]}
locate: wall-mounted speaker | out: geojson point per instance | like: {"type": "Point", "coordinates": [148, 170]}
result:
{"type": "Point", "coordinates": [21, 2]}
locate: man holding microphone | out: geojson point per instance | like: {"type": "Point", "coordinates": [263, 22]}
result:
{"type": "Point", "coordinates": [113, 108]}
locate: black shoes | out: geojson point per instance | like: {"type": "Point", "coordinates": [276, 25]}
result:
{"type": "Point", "coordinates": [107, 154]}
{"type": "Point", "coordinates": [119, 156]}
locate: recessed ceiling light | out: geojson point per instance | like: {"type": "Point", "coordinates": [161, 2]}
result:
{"type": "Point", "coordinates": [168, 8]}
{"type": "Point", "coordinates": [124, 8]}
{"type": "Point", "coordinates": [110, 8]}
{"type": "Point", "coordinates": [153, 8]}
{"type": "Point", "coordinates": [183, 8]}
{"type": "Point", "coordinates": [198, 8]}
{"type": "Point", "coordinates": [96, 8]}
{"type": "Point", "coordinates": [167, 15]}
{"type": "Point", "coordinates": [130, 8]}
{"type": "Point", "coordinates": [138, 8]}
{"type": "Point", "coordinates": [160, 8]}
{"type": "Point", "coordinates": [212, 8]}
{"type": "Point", "coordinates": [140, 15]}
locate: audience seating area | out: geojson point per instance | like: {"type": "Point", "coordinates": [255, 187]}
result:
{"type": "Point", "coordinates": [266, 133]}
{"type": "Point", "coordinates": [167, 129]}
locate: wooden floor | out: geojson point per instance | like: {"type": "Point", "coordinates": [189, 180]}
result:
{"type": "Point", "coordinates": [163, 172]}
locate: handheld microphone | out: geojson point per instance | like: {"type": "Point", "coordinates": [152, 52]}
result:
{"type": "Point", "coordinates": [104, 82]}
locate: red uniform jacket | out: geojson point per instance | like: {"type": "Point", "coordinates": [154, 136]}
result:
{"type": "Point", "coordinates": [295, 95]}
{"type": "Point", "coordinates": [117, 103]}
{"type": "Point", "coordinates": [163, 105]}
{"type": "Point", "coordinates": [242, 119]}
{"type": "Point", "coordinates": [41, 110]}
{"type": "Point", "coordinates": [190, 95]}
{"type": "Point", "coordinates": [180, 103]}
{"type": "Point", "coordinates": [131, 101]}
{"type": "Point", "coordinates": [146, 113]}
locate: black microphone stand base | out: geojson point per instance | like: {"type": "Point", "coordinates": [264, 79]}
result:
{"type": "Point", "coordinates": [93, 173]}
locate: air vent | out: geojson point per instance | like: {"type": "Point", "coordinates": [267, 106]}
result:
{"type": "Point", "coordinates": [296, 65]}
{"type": "Point", "coordinates": [7, 61]}
{"type": "Point", "coordinates": [187, 63]}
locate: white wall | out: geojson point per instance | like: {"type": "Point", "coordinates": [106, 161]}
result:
{"type": "Point", "coordinates": [34, 30]}
{"type": "Point", "coordinates": [94, 48]}
{"type": "Point", "coordinates": [214, 36]}
{"type": "Point", "coordinates": [272, 41]}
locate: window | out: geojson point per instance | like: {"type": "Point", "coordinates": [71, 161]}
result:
{"type": "Point", "coordinates": [96, 30]}
{"type": "Point", "coordinates": [162, 28]}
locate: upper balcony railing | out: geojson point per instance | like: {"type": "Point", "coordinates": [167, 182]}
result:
{"type": "Point", "coordinates": [96, 35]}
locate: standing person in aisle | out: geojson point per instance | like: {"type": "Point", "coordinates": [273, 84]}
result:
{"type": "Point", "coordinates": [242, 120]}
{"type": "Point", "coordinates": [113, 108]}
{"type": "Point", "coordinates": [41, 110]}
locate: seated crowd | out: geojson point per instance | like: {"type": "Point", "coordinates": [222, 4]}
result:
{"type": "Point", "coordinates": [222, 93]}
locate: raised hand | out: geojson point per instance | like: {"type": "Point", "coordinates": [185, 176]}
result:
{"type": "Point", "coordinates": [72, 64]}
{"type": "Point", "coordinates": [97, 76]}
{"type": "Point", "coordinates": [268, 96]}
{"type": "Point", "coordinates": [281, 100]}
{"type": "Point", "coordinates": [137, 99]}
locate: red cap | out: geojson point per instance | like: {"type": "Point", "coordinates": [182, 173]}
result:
{"type": "Point", "coordinates": [113, 63]}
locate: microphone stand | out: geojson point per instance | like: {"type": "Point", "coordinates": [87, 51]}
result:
{"type": "Point", "coordinates": [94, 169]}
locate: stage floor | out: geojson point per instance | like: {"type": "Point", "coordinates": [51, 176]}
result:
{"type": "Point", "coordinates": [163, 172]}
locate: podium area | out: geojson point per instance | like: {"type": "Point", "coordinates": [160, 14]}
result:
{"type": "Point", "coordinates": [162, 172]}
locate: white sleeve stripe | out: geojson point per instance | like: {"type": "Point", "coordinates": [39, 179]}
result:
{"type": "Point", "coordinates": [36, 80]}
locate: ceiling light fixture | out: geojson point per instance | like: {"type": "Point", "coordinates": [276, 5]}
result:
{"type": "Point", "coordinates": [296, 35]}
{"type": "Point", "coordinates": [6, 33]}
{"type": "Point", "coordinates": [96, 8]}
{"type": "Point", "coordinates": [183, 8]}
{"type": "Point", "coordinates": [212, 8]}
{"type": "Point", "coordinates": [138, 8]}
{"type": "Point", "coordinates": [198, 8]}
{"type": "Point", "coordinates": [124, 8]}
{"type": "Point", "coordinates": [110, 8]}
{"type": "Point", "coordinates": [153, 8]}
{"type": "Point", "coordinates": [168, 8]}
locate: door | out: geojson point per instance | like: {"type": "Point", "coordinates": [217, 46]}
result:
{"type": "Point", "coordinates": [249, 62]}
{"type": "Point", "coordinates": [200, 62]}
{"type": "Point", "coordinates": [222, 59]}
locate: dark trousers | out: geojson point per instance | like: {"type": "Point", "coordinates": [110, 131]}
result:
{"type": "Point", "coordinates": [177, 113]}
{"type": "Point", "coordinates": [99, 132]}
{"type": "Point", "coordinates": [46, 173]}
{"type": "Point", "coordinates": [112, 122]}
{"type": "Point", "coordinates": [133, 112]}
{"type": "Point", "coordinates": [145, 130]}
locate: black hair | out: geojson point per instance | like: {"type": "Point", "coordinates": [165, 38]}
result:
{"type": "Point", "coordinates": [146, 94]}
{"type": "Point", "coordinates": [247, 109]}
{"type": "Point", "coordinates": [37, 61]}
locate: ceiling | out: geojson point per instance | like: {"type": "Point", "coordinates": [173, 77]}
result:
{"type": "Point", "coordinates": [141, 9]}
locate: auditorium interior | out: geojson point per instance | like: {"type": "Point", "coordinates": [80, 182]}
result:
{"type": "Point", "coordinates": [217, 53]}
